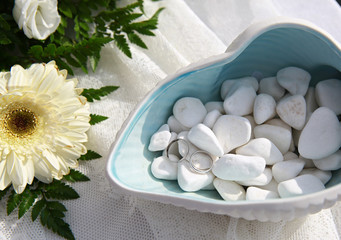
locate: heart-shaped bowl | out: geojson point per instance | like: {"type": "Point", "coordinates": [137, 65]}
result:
{"type": "Point", "coordinates": [264, 48]}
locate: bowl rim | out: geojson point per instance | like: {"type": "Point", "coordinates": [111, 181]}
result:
{"type": "Point", "coordinates": [224, 207]}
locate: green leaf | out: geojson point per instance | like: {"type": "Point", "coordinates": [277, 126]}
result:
{"type": "Point", "coordinates": [38, 206]}
{"type": "Point", "coordinates": [60, 190]}
{"type": "Point", "coordinates": [27, 201]}
{"type": "Point", "coordinates": [13, 201]}
{"type": "Point", "coordinates": [36, 51]}
{"type": "Point", "coordinates": [75, 176]}
{"type": "Point", "coordinates": [90, 155]}
{"type": "Point", "coordinates": [50, 50]}
{"type": "Point", "coordinates": [92, 94]}
{"type": "Point", "coordinates": [97, 119]}
{"type": "Point", "coordinates": [122, 44]}
{"type": "Point", "coordinates": [133, 38]}
{"type": "Point", "coordinates": [65, 10]}
{"type": "Point", "coordinates": [3, 192]}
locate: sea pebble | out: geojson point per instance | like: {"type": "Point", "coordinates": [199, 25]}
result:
{"type": "Point", "coordinates": [238, 167]}
{"type": "Point", "coordinates": [215, 105]}
{"type": "Point", "coordinates": [321, 136]}
{"type": "Point", "coordinates": [310, 100]}
{"type": "Point", "coordinates": [328, 94]}
{"type": "Point", "coordinates": [175, 125]}
{"type": "Point", "coordinates": [279, 136]}
{"type": "Point", "coordinates": [308, 163]}
{"type": "Point", "coordinates": [286, 170]}
{"type": "Point", "coordinates": [227, 85]}
{"type": "Point", "coordinates": [186, 148]}
{"type": "Point", "coordinates": [293, 79]}
{"type": "Point", "coordinates": [232, 131]}
{"type": "Point", "coordinates": [290, 156]}
{"type": "Point", "coordinates": [292, 110]}
{"type": "Point", "coordinates": [191, 181]}
{"type": "Point", "coordinates": [261, 180]}
{"type": "Point", "coordinates": [324, 176]}
{"type": "Point", "coordinates": [332, 162]}
{"type": "Point", "coordinates": [204, 138]}
{"type": "Point", "coordinates": [264, 108]}
{"type": "Point", "coordinates": [189, 111]}
{"type": "Point", "coordinates": [300, 185]}
{"type": "Point", "coordinates": [261, 147]}
{"type": "Point", "coordinates": [239, 100]}
{"type": "Point", "coordinates": [211, 118]}
{"type": "Point", "coordinates": [279, 122]}
{"type": "Point", "coordinates": [163, 168]}
{"type": "Point", "coordinates": [255, 193]}
{"type": "Point", "coordinates": [229, 190]}
{"type": "Point", "coordinates": [159, 140]}
{"type": "Point", "coordinates": [253, 124]}
{"type": "Point", "coordinates": [270, 86]}
{"type": "Point", "coordinates": [271, 186]}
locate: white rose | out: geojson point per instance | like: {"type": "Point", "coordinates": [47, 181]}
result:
{"type": "Point", "coordinates": [38, 18]}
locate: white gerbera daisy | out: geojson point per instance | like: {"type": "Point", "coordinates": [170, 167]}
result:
{"type": "Point", "coordinates": [43, 121]}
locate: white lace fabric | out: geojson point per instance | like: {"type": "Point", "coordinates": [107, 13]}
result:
{"type": "Point", "coordinates": [189, 30]}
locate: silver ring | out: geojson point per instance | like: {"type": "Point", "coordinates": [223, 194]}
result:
{"type": "Point", "coordinates": [174, 141]}
{"type": "Point", "coordinates": [200, 170]}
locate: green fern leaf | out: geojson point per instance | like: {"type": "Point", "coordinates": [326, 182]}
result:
{"type": "Point", "coordinates": [90, 155]}
{"type": "Point", "coordinates": [75, 176]}
{"type": "Point", "coordinates": [92, 94]}
{"type": "Point", "coordinates": [97, 119]}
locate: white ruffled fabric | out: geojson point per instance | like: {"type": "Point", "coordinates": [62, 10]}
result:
{"type": "Point", "coordinates": [189, 30]}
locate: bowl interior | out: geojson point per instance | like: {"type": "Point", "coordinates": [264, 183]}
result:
{"type": "Point", "coordinates": [130, 160]}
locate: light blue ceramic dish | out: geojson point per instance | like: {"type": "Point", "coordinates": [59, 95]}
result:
{"type": "Point", "coordinates": [264, 48]}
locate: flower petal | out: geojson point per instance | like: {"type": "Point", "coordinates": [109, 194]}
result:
{"type": "Point", "coordinates": [4, 178]}
{"type": "Point", "coordinates": [15, 169]}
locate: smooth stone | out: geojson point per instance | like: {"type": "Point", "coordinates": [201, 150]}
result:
{"type": "Point", "coordinates": [255, 193]}
{"type": "Point", "coordinates": [293, 79]}
{"type": "Point", "coordinates": [227, 85]}
{"type": "Point", "coordinates": [271, 186]}
{"type": "Point", "coordinates": [229, 190]}
{"type": "Point", "coordinates": [279, 136]}
{"type": "Point", "coordinates": [209, 187]}
{"type": "Point", "coordinates": [189, 111]}
{"type": "Point", "coordinates": [204, 138]}
{"type": "Point", "coordinates": [328, 94]}
{"type": "Point", "coordinates": [253, 124]}
{"type": "Point", "coordinates": [279, 122]}
{"type": "Point", "coordinates": [190, 181]}
{"type": "Point", "coordinates": [211, 118]}
{"type": "Point", "coordinates": [183, 147]}
{"type": "Point", "coordinates": [160, 139]}
{"type": "Point", "coordinates": [324, 176]}
{"type": "Point", "coordinates": [175, 125]}
{"type": "Point", "coordinates": [300, 185]}
{"type": "Point", "coordinates": [261, 180]}
{"type": "Point", "coordinates": [321, 136]}
{"type": "Point", "coordinates": [163, 168]}
{"type": "Point", "coordinates": [264, 108]}
{"type": "Point", "coordinates": [232, 131]}
{"type": "Point", "coordinates": [238, 167]}
{"type": "Point", "coordinates": [292, 110]}
{"type": "Point", "coordinates": [290, 156]}
{"type": "Point", "coordinates": [308, 163]}
{"type": "Point", "coordinates": [286, 170]}
{"type": "Point", "coordinates": [310, 100]}
{"type": "Point", "coordinates": [296, 136]}
{"type": "Point", "coordinates": [239, 100]}
{"type": "Point", "coordinates": [215, 105]}
{"type": "Point", "coordinates": [332, 162]}
{"type": "Point", "coordinates": [261, 147]}
{"type": "Point", "coordinates": [270, 86]}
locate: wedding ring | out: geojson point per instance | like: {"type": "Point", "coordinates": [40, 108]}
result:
{"type": "Point", "coordinates": [200, 170]}
{"type": "Point", "coordinates": [171, 144]}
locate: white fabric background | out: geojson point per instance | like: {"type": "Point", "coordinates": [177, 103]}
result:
{"type": "Point", "coordinates": [189, 30]}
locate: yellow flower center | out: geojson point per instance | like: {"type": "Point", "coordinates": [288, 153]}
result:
{"type": "Point", "coordinates": [20, 122]}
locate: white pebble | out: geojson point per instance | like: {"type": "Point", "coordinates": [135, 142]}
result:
{"type": "Point", "coordinates": [211, 118]}
{"type": "Point", "coordinates": [228, 190]}
{"type": "Point", "coordinates": [279, 136]}
{"type": "Point", "coordinates": [292, 110]}
{"type": "Point", "coordinates": [264, 108]}
{"type": "Point", "coordinates": [271, 186]}
{"type": "Point", "coordinates": [308, 163]}
{"type": "Point", "coordinates": [300, 185]}
{"type": "Point", "coordinates": [232, 131]}
{"type": "Point", "coordinates": [163, 168]}
{"type": "Point", "coordinates": [159, 140]}
{"type": "Point", "coordinates": [203, 137]}
{"type": "Point", "coordinates": [321, 136]}
{"type": "Point", "coordinates": [185, 149]}
{"type": "Point", "coordinates": [189, 111]}
{"type": "Point", "coordinates": [295, 80]}
{"type": "Point", "coordinates": [238, 167]}
{"type": "Point", "coordinates": [227, 85]}
{"type": "Point", "coordinates": [253, 124]}
{"type": "Point", "coordinates": [261, 180]}
{"type": "Point", "coordinates": [279, 122]}
{"type": "Point", "coordinates": [286, 170]}
{"type": "Point", "coordinates": [215, 105]}
{"type": "Point", "coordinates": [328, 94]}
{"type": "Point", "coordinates": [175, 125]}
{"type": "Point", "coordinates": [324, 176]}
{"type": "Point", "coordinates": [255, 193]}
{"type": "Point", "coordinates": [190, 181]}
{"type": "Point", "coordinates": [239, 100]}
{"type": "Point", "coordinates": [290, 156]}
{"type": "Point", "coordinates": [261, 147]}
{"type": "Point", "coordinates": [310, 100]}
{"type": "Point", "coordinates": [332, 162]}
{"type": "Point", "coordinates": [270, 86]}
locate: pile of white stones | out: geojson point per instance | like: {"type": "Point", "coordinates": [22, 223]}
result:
{"type": "Point", "coordinates": [276, 137]}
